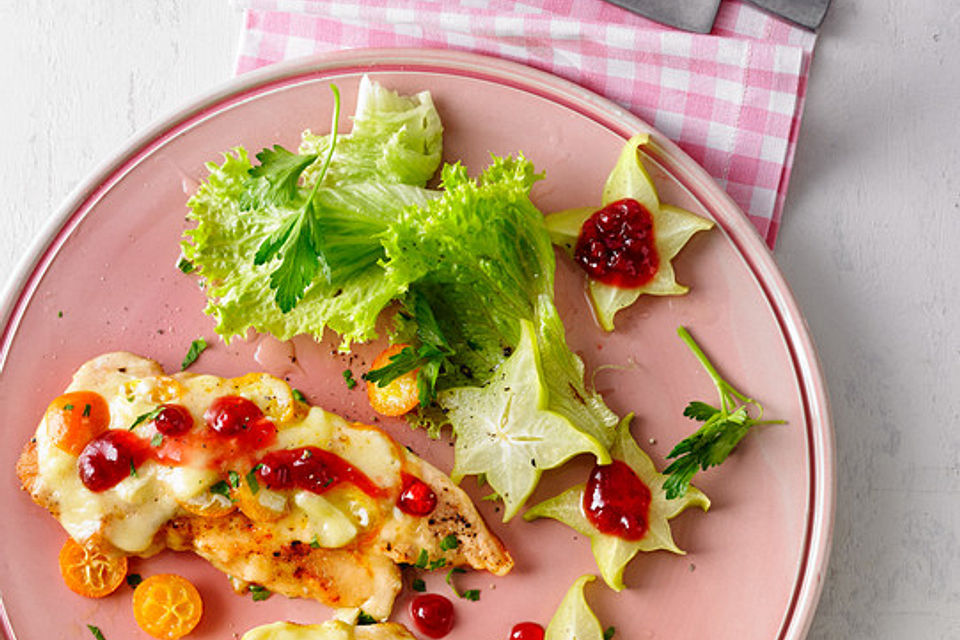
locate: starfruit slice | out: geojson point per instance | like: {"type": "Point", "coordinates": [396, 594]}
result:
{"type": "Point", "coordinates": [672, 228]}
{"type": "Point", "coordinates": [613, 553]}
{"type": "Point", "coordinates": [505, 432]}
{"type": "Point", "coordinates": [573, 619]}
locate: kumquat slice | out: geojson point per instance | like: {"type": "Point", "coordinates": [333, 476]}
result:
{"type": "Point", "coordinates": [90, 572]}
{"type": "Point", "coordinates": [400, 395]}
{"type": "Point", "coordinates": [209, 505]}
{"type": "Point", "coordinates": [167, 606]}
{"type": "Point", "coordinates": [263, 506]}
{"type": "Point", "coordinates": [76, 418]}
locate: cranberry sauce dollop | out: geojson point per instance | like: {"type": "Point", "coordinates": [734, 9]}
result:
{"type": "Point", "coordinates": [617, 502]}
{"type": "Point", "coordinates": [235, 436]}
{"type": "Point", "coordinates": [231, 415]}
{"type": "Point", "coordinates": [616, 245]}
{"type": "Point", "coordinates": [416, 497]}
{"type": "Point", "coordinates": [173, 420]}
{"type": "Point", "coordinates": [526, 631]}
{"type": "Point", "coordinates": [432, 614]}
{"type": "Point", "coordinates": [110, 457]}
{"type": "Point", "coordinates": [311, 469]}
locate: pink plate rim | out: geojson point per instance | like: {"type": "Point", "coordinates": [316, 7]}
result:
{"type": "Point", "coordinates": [733, 223]}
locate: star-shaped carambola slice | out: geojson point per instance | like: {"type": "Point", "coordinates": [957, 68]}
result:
{"type": "Point", "coordinates": [672, 228]}
{"type": "Point", "coordinates": [505, 432]}
{"type": "Point", "coordinates": [573, 619]}
{"type": "Point", "coordinates": [611, 552]}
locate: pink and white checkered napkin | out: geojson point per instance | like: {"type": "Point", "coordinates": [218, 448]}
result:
{"type": "Point", "coordinates": [731, 99]}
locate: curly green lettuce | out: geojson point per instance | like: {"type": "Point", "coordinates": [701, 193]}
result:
{"type": "Point", "coordinates": [330, 236]}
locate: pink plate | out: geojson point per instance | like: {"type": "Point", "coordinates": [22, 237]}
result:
{"type": "Point", "coordinates": [103, 278]}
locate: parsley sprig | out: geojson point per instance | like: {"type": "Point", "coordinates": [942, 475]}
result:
{"type": "Point", "coordinates": [299, 241]}
{"type": "Point", "coordinates": [429, 356]}
{"type": "Point", "coordinates": [722, 430]}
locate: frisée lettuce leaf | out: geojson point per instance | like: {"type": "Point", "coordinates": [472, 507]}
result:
{"type": "Point", "coordinates": [290, 246]}
{"type": "Point", "coordinates": [395, 139]}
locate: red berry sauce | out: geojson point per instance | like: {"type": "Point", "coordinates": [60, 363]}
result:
{"type": "Point", "coordinates": [432, 615]}
{"type": "Point", "coordinates": [527, 631]}
{"type": "Point", "coordinates": [617, 502]}
{"type": "Point", "coordinates": [311, 469]}
{"type": "Point", "coordinates": [237, 433]}
{"type": "Point", "coordinates": [616, 245]}
{"type": "Point", "coordinates": [231, 415]}
{"type": "Point", "coordinates": [173, 420]}
{"type": "Point", "coordinates": [111, 457]}
{"type": "Point", "coordinates": [416, 496]}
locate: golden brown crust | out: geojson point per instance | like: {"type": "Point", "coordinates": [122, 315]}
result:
{"type": "Point", "coordinates": [362, 574]}
{"type": "Point", "coordinates": [477, 547]}
{"type": "Point", "coordinates": [27, 469]}
{"type": "Point", "coordinates": [250, 552]}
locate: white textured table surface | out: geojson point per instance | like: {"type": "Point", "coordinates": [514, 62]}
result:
{"type": "Point", "coordinates": [870, 245]}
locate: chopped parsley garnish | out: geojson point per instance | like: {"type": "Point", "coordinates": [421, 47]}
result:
{"type": "Point", "coordinates": [365, 618]}
{"type": "Point", "coordinates": [348, 378]}
{"type": "Point", "coordinates": [156, 440]}
{"type": "Point", "coordinates": [86, 410]}
{"type": "Point", "coordinates": [259, 593]}
{"type": "Point", "coordinates": [418, 585]}
{"type": "Point", "coordinates": [449, 577]}
{"type": "Point", "coordinates": [221, 488]}
{"type": "Point", "coordinates": [234, 479]}
{"type": "Point", "coordinates": [437, 564]}
{"type": "Point", "coordinates": [59, 314]}
{"type": "Point", "coordinates": [251, 479]}
{"type": "Point", "coordinates": [470, 594]}
{"type": "Point", "coordinates": [299, 397]}
{"type": "Point", "coordinates": [96, 632]}
{"type": "Point", "coordinates": [145, 417]}
{"type": "Point", "coordinates": [449, 542]}
{"type": "Point", "coordinates": [185, 265]}
{"type": "Point", "coordinates": [428, 358]}
{"type": "Point", "coordinates": [196, 348]}
{"type": "Point", "coordinates": [609, 632]}
{"type": "Point", "coordinates": [68, 407]}
{"type": "Point", "coordinates": [422, 559]}
{"type": "Point", "coordinates": [134, 579]}
{"type": "Point", "coordinates": [315, 543]}
{"type": "Point", "coordinates": [133, 469]}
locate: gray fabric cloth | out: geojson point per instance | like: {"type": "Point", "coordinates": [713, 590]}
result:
{"type": "Point", "coordinates": [698, 15]}
{"type": "Point", "coordinates": [689, 15]}
{"type": "Point", "coordinates": [806, 13]}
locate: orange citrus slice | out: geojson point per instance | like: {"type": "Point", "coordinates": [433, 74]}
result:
{"type": "Point", "coordinates": [76, 418]}
{"type": "Point", "coordinates": [89, 571]}
{"type": "Point", "coordinates": [167, 606]}
{"type": "Point", "coordinates": [400, 395]}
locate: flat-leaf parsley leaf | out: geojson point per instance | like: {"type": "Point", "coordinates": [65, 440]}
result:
{"type": "Point", "coordinates": [299, 241]}
{"type": "Point", "coordinates": [723, 427]}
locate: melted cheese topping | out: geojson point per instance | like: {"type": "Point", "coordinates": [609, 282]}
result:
{"type": "Point", "coordinates": [330, 630]}
{"type": "Point", "coordinates": [130, 514]}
